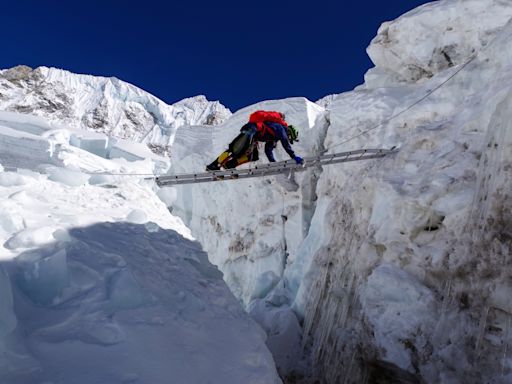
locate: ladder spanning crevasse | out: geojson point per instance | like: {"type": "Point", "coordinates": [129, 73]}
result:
{"type": "Point", "coordinates": [276, 168]}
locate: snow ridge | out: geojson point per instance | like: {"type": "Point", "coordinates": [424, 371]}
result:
{"type": "Point", "coordinates": [106, 105]}
{"type": "Point", "coordinates": [98, 281]}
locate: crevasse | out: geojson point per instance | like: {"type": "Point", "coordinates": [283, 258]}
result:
{"type": "Point", "coordinates": [400, 268]}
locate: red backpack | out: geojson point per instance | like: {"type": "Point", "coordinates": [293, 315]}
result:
{"type": "Point", "coordinates": [260, 117]}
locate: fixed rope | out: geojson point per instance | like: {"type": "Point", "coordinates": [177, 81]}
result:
{"type": "Point", "coordinates": [428, 94]}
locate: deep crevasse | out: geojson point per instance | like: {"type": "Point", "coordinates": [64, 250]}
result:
{"type": "Point", "coordinates": [403, 266]}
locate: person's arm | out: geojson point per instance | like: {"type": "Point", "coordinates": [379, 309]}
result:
{"type": "Point", "coordinates": [282, 136]}
{"type": "Point", "coordinates": [287, 147]}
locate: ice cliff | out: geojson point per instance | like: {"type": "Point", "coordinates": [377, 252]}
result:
{"type": "Point", "coordinates": [397, 268]}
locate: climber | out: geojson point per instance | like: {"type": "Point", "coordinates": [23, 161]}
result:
{"type": "Point", "coordinates": [263, 126]}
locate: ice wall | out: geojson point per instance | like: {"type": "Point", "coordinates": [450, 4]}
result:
{"type": "Point", "coordinates": [402, 266]}
{"type": "Point", "coordinates": [409, 278]}
{"type": "Point", "coordinates": [432, 38]}
{"type": "Point", "coordinates": [248, 227]}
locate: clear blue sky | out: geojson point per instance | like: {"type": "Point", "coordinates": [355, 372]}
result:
{"type": "Point", "coordinates": [236, 52]}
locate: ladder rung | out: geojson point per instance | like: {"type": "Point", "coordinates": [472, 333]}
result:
{"type": "Point", "coordinates": [275, 168]}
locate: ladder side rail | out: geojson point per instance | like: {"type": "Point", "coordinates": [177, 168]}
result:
{"type": "Point", "coordinates": [244, 175]}
{"type": "Point", "coordinates": [276, 167]}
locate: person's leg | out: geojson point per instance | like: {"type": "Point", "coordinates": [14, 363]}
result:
{"type": "Point", "coordinates": [219, 161]}
{"type": "Point", "coordinates": [213, 166]}
{"type": "Point", "coordinates": [240, 144]}
{"type": "Point", "coordinates": [254, 154]}
{"type": "Point", "coordinates": [231, 163]}
{"type": "Point", "coordinates": [236, 148]}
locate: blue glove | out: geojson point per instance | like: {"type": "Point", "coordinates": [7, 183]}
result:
{"type": "Point", "coordinates": [298, 159]}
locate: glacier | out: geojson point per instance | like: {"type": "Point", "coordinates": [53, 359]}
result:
{"type": "Point", "coordinates": [395, 268]}
{"type": "Point", "coordinates": [98, 281]}
{"type": "Point", "coordinates": [100, 104]}
{"type": "Point", "coordinates": [390, 270]}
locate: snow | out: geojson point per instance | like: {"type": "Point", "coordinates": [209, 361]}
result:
{"type": "Point", "coordinates": [98, 281]}
{"type": "Point", "coordinates": [402, 262]}
{"type": "Point", "coordinates": [397, 305]}
{"type": "Point", "coordinates": [397, 267]}
{"type": "Point", "coordinates": [106, 105]}
{"type": "Point", "coordinates": [432, 38]}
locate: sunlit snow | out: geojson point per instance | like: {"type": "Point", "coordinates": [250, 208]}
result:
{"type": "Point", "coordinates": [396, 268]}
{"type": "Point", "coordinates": [98, 281]}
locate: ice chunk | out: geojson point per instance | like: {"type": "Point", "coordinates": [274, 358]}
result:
{"type": "Point", "coordinates": [23, 150]}
{"type": "Point", "coordinates": [10, 179]}
{"type": "Point", "coordinates": [31, 237]}
{"type": "Point", "coordinates": [97, 144]}
{"type": "Point", "coordinates": [61, 235]}
{"type": "Point", "coordinates": [436, 36]}
{"type": "Point", "coordinates": [101, 179]}
{"type": "Point", "coordinates": [137, 217]}
{"type": "Point", "coordinates": [68, 177]}
{"type": "Point", "coordinates": [10, 220]}
{"type": "Point", "coordinates": [125, 293]}
{"type": "Point", "coordinates": [43, 277]}
{"type": "Point", "coordinates": [121, 152]}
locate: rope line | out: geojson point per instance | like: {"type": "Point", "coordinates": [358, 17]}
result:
{"type": "Point", "coordinates": [124, 174]}
{"type": "Point", "coordinates": [468, 61]}
{"type": "Point", "coordinates": [386, 121]}
{"type": "Point", "coordinates": [410, 106]}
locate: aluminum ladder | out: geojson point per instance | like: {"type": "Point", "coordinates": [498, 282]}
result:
{"type": "Point", "coordinates": [269, 169]}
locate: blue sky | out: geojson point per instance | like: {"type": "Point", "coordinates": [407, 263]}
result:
{"type": "Point", "coordinates": [233, 51]}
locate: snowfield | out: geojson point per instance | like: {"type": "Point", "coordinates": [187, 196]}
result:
{"type": "Point", "coordinates": [396, 269]}
{"type": "Point", "coordinates": [98, 281]}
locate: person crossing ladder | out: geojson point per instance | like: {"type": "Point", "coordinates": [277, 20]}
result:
{"type": "Point", "coordinates": [263, 126]}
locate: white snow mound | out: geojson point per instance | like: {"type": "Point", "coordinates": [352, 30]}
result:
{"type": "Point", "coordinates": [99, 283]}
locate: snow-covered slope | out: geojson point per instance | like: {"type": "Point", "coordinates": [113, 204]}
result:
{"type": "Point", "coordinates": [106, 105]}
{"type": "Point", "coordinates": [99, 283]}
{"type": "Point", "coordinates": [398, 267]}
{"type": "Point", "coordinates": [395, 269]}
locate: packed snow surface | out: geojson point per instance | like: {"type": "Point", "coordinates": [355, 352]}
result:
{"type": "Point", "coordinates": [99, 283]}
